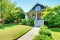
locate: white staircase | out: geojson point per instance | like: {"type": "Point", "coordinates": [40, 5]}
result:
{"type": "Point", "coordinates": [38, 23]}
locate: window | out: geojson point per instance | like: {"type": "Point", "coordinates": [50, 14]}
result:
{"type": "Point", "coordinates": [38, 8]}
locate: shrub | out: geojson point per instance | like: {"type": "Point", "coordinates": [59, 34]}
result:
{"type": "Point", "coordinates": [43, 27]}
{"type": "Point", "coordinates": [42, 37]}
{"type": "Point", "coordinates": [45, 31]}
{"type": "Point", "coordinates": [23, 21]}
{"type": "Point", "coordinates": [22, 15]}
{"type": "Point", "coordinates": [30, 22]}
{"type": "Point", "coordinates": [44, 34]}
{"type": "Point", "coordinates": [7, 21]}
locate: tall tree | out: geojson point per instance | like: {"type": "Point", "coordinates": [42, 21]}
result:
{"type": "Point", "coordinates": [52, 16]}
{"type": "Point", "coordinates": [3, 4]}
{"type": "Point", "coordinates": [9, 12]}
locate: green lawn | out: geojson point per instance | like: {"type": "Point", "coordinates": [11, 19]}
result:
{"type": "Point", "coordinates": [55, 33]}
{"type": "Point", "coordinates": [11, 32]}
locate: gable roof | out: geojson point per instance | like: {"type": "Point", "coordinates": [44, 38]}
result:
{"type": "Point", "coordinates": [33, 8]}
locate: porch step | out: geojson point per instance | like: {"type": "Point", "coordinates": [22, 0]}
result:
{"type": "Point", "coordinates": [38, 23]}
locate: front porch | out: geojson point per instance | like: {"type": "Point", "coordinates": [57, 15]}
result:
{"type": "Point", "coordinates": [36, 16]}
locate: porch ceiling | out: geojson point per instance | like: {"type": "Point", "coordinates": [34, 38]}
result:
{"type": "Point", "coordinates": [40, 11]}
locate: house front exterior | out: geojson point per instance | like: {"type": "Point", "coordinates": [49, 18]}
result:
{"type": "Point", "coordinates": [36, 12]}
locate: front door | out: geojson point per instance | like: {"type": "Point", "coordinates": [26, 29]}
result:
{"type": "Point", "coordinates": [34, 16]}
{"type": "Point", "coordinates": [38, 16]}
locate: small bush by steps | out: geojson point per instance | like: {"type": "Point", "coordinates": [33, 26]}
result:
{"type": "Point", "coordinates": [44, 34]}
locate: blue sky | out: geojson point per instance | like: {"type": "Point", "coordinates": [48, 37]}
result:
{"type": "Point", "coordinates": [26, 5]}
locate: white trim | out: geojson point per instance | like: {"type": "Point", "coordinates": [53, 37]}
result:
{"type": "Point", "coordinates": [36, 16]}
{"type": "Point", "coordinates": [26, 17]}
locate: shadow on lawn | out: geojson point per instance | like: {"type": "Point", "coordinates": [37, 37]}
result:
{"type": "Point", "coordinates": [6, 25]}
{"type": "Point", "coordinates": [55, 29]}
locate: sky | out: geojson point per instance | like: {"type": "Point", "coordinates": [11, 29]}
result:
{"type": "Point", "coordinates": [26, 5]}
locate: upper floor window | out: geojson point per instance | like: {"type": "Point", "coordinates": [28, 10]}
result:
{"type": "Point", "coordinates": [38, 8]}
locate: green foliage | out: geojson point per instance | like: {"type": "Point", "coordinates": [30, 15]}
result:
{"type": "Point", "coordinates": [52, 16]}
{"type": "Point", "coordinates": [42, 37]}
{"type": "Point", "coordinates": [44, 31]}
{"type": "Point", "coordinates": [22, 15]}
{"type": "Point", "coordinates": [23, 21]}
{"type": "Point", "coordinates": [9, 12]}
{"type": "Point", "coordinates": [12, 31]}
{"type": "Point", "coordinates": [30, 22]}
{"type": "Point", "coordinates": [43, 27]}
{"type": "Point", "coordinates": [55, 29]}
{"type": "Point", "coordinates": [44, 34]}
{"type": "Point", "coordinates": [55, 33]}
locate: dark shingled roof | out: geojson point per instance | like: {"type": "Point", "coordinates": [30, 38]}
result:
{"type": "Point", "coordinates": [36, 6]}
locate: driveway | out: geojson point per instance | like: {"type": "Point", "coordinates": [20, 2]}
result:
{"type": "Point", "coordinates": [30, 35]}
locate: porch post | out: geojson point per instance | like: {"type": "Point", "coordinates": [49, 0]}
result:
{"type": "Point", "coordinates": [35, 19]}
{"type": "Point", "coordinates": [31, 15]}
{"type": "Point", "coordinates": [36, 16]}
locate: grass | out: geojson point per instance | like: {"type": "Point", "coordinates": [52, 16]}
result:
{"type": "Point", "coordinates": [55, 33]}
{"type": "Point", "coordinates": [11, 32]}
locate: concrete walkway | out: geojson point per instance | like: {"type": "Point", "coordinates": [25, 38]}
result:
{"type": "Point", "coordinates": [30, 35]}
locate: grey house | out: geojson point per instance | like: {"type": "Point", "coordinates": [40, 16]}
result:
{"type": "Point", "coordinates": [36, 12]}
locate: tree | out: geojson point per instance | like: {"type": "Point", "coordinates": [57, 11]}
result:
{"type": "Point", "coordinates": [13, 13]}
{"type": "Point", "coordinates": [3, 4]}
{"type": "Point", "coordinates": [52, 16]}
{"type": "Point", "coordinates": [9, 12]}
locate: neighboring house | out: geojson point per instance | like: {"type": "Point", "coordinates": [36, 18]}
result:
{"type": "Point", "coordinates": [36, 12]}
